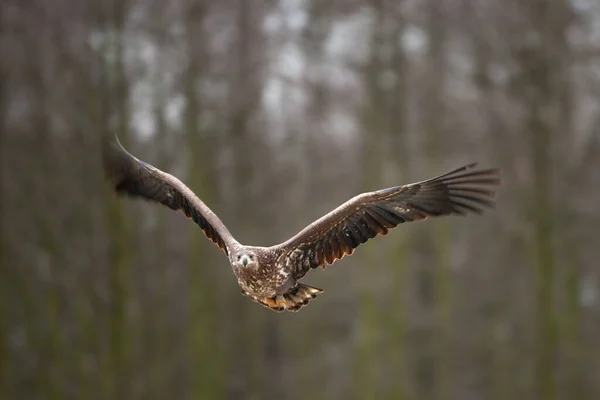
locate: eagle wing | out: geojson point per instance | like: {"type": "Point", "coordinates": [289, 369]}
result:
{"type": "Point", "coordinates": [133, 177]}
{"type": "Point", "coordinates": [461, 191]}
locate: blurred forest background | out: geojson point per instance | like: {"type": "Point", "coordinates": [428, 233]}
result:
{"type": "Point", "coordinates": [275, 112]}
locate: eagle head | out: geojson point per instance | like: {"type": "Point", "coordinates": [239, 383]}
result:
{"type": "Point", "coordinates": [246, 260]}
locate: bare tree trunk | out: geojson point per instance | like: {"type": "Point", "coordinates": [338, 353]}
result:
{"type": "Point", "coordinates": [544, 258]}
{"type": "Point", "coordinates": [158, 352]}
{"type": "Point", "coordinates": [374, 120]}
{"type": "Point", "coordinates": [247, 151]}
{"type": "Point", "coordinates": [208, 378]}
{"type": "Point", "coordinates": [539, 83]}
{"type": "Point", "coordinates": [51, 345]}
{"type": "Point", "coordinates": [398, 130]}
{"type": "Point", "coordinates": [6, 275]}
{"type": "Point", "coordinates": [436, 367]}
{"type": "Point", "coordinates": [571, 370]}
{"type": "Point", "coordinates": [120, 253]}
{"type": "Point", "coordinates": [498, 353]}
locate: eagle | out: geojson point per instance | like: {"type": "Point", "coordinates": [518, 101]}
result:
{"type": "Point", "coordinates": [270, 275]}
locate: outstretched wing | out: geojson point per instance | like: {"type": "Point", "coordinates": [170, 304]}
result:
{"type": "Point", "coordinates": [464, 190]}
{"type": "Point", "coordinates": [131, 176]}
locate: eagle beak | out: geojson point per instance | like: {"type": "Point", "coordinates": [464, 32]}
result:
{"type": "Point", "coordinates": [245, 260]}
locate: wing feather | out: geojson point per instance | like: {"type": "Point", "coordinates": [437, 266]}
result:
{"type": "Point", "coordinates": [133, 177]}
{"type": "Point", "coordinates": [458, 192]}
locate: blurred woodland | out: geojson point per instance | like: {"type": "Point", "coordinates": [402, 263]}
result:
{"type": "Point", "coordinates": [275, 112]}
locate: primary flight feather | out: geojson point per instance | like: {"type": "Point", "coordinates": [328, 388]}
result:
{"type": "Point", "coordinates": [269, 275]}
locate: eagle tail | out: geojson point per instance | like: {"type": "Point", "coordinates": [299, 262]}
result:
{"type": "Point", "coordinates": [293, 300]}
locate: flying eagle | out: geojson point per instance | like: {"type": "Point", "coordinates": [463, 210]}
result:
{"type": "Point", "coordinates": [270, 275]}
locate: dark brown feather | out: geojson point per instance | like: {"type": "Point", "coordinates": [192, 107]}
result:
{"type": "Point", "coordinates": [458, 192]}
{"type": "Point", "coordinates": [133, 177]}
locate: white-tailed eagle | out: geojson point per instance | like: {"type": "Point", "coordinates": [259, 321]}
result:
{"type": "Point", "coordinates": [270, 275]}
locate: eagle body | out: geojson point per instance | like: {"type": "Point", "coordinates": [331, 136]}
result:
{"type": "Point", "coordinates": [270, 279]}
{"type": "Point", "coordinates": [264, 278]}
{"type": "Point", "coordinates": [270, 275]}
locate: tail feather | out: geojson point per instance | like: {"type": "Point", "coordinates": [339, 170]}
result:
{"type": "Point", "coordinates": [293, 300]}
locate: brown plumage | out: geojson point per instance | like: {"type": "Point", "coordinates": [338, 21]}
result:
{"type": "Point", "coordinates": [269, 275]}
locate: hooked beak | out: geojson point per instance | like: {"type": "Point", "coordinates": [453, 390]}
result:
{"type": "Point", "coordinates": [245, 260]}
